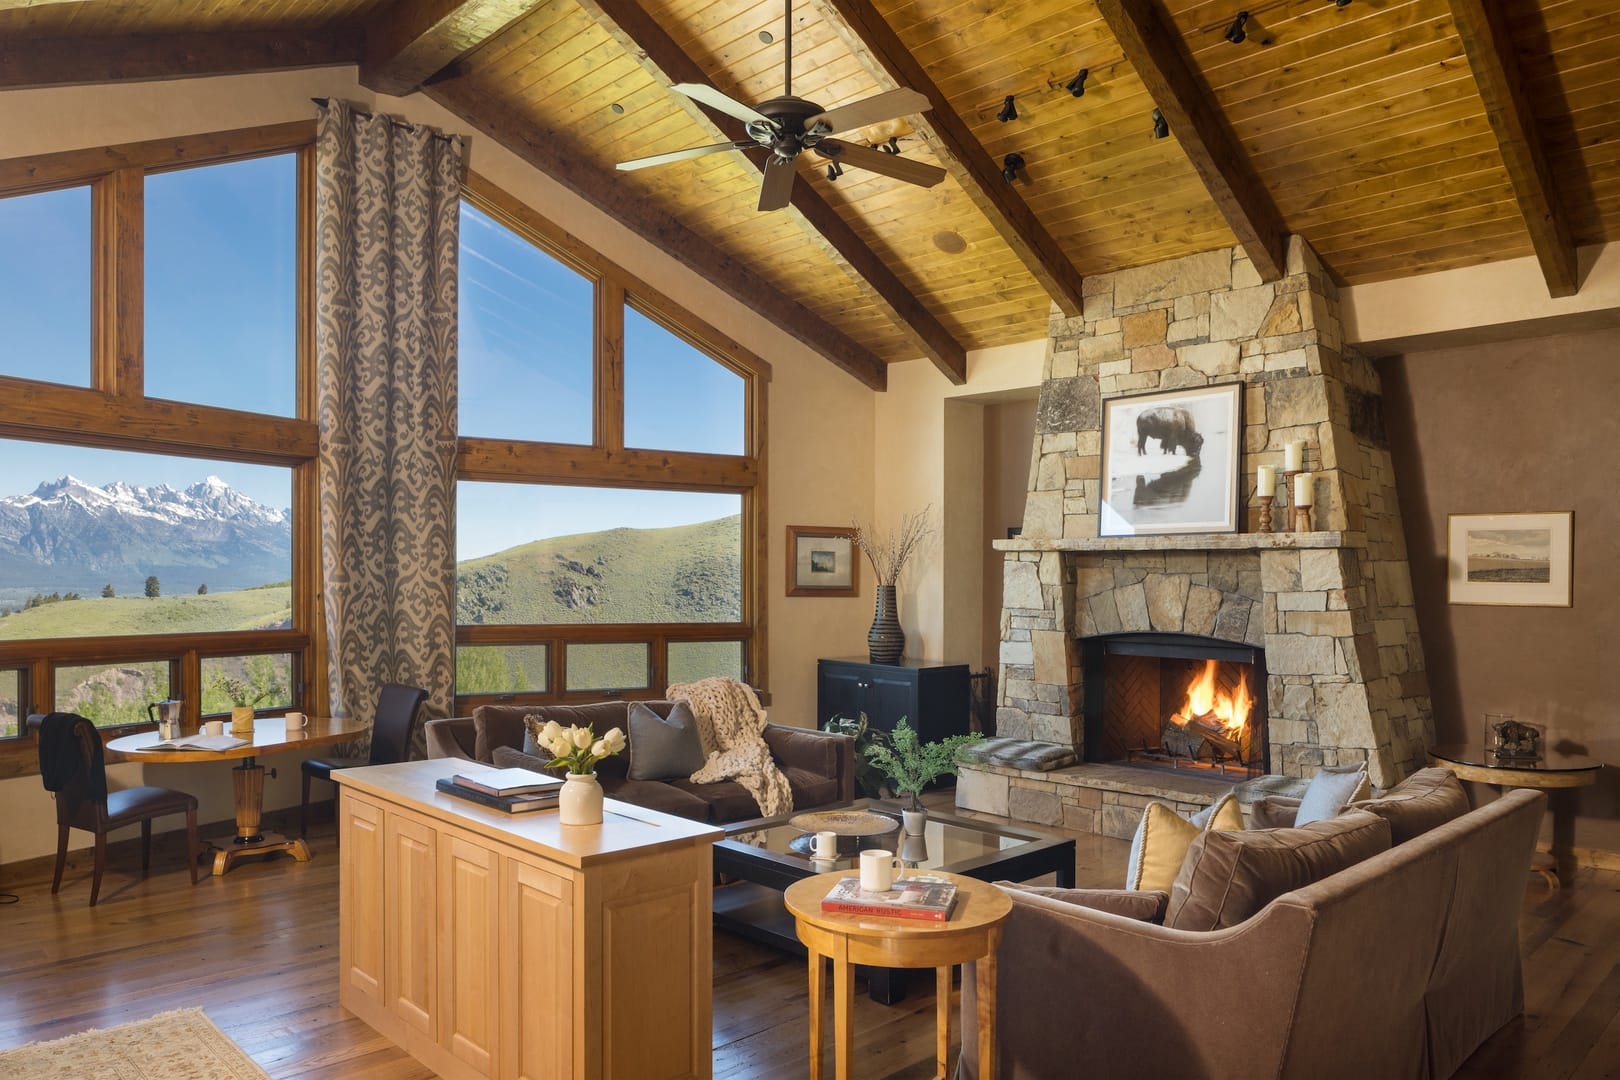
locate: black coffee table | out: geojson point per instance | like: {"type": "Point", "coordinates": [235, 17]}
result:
{"type": "Point", "coordinates": [767, 855]}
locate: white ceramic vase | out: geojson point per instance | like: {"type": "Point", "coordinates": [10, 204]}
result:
{"type": "Point", "coordinates": [580, 802]}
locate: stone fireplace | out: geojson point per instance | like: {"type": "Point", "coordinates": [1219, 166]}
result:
{"type": "Point", "coordinates": [1327, 614]}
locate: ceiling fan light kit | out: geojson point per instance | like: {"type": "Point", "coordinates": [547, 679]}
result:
{"type": "Point", "coordinates": [787, 126]}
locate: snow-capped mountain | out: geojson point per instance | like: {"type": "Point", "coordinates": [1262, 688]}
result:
{"type": "Point", "coordinates": [70, 535]}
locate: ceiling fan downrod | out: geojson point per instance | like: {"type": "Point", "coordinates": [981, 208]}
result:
{"type": "Point", "coordinates": [787, 48]}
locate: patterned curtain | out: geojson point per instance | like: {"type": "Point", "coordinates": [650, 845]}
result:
{"type": "Point", "coordinates": [387, 206]}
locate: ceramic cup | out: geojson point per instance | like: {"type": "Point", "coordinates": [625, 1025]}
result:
{"type": "Point", "coordinates": [296, 721]}
{"type": "Point", "coordinates": [877, 870]}
{"type": "Point", "coordinates": [214, 727]}
{"type": "Point", "coordinates": [826, 845]}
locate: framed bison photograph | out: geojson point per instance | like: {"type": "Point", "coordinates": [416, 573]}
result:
{"type": "Point", "coordinates": [1170, 461]}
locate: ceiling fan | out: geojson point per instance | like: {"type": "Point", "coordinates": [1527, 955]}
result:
{"type": "Point", "coordinates": [787, 126]}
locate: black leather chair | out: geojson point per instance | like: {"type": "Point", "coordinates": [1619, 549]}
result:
{"type": "Point", "coordinates": [391, 732]}
{"type": "Point", "coordinates": [70, 757]}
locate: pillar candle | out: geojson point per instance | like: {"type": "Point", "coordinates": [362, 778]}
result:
{"type": "Point", "coordinates": [1304, 489]}
{"type": "Point", "coordinates": [1267, 483]}
{"type": "Point", "coordinates": [1294, 457]}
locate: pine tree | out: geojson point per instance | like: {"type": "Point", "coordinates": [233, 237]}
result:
{"type": "Point", "coordinates": [153, 589]}
{"type": "Point", "coordinates": [108, 592]}
{"type": "Point", "coordinates": [202, 590]}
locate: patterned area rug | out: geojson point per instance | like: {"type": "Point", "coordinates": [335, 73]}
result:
{"type": "Point", "coordinates": [179, 1045]}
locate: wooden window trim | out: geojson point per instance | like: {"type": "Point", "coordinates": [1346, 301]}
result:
{"type": "Point", "coordinates": [115, 413]}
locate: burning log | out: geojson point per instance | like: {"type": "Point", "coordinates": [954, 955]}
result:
{"type": "Point", "coordinates": [1212, 731]}
{"type": "Point", "coordinates": [1178, 741]}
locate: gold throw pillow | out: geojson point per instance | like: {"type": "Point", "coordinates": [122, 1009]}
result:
{"type": "Point", "coordinates": [1163, 837]}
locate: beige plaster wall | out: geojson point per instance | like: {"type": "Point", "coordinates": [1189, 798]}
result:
{"type": "Point", "coordinates": [820, 451]}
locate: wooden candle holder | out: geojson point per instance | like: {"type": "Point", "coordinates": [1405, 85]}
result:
{"type": "Point", "coordinates": [1302, 519]}
{"type": "Point", "coordinates": [1266, 523]}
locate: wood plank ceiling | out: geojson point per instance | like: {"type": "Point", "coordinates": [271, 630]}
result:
{"type": "Point", "coordinates": [1397, 136]}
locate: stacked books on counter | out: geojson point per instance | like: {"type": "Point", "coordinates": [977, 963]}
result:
{"type": "Point", "coordinates": [910, 898]}
{"type": "Point", "coordinates": [516, 791]}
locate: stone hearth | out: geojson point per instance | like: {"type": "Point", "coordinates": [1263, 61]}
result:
{"type": "Point", "coordinates": [1331, 608]}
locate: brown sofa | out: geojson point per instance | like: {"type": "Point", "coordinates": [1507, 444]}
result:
{"type": "Point", "coordinates": [1397, 966]}
{"type": "Point", "coordinates": [819, 766]}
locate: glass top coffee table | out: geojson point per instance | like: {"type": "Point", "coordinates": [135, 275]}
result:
{"type": "Point", "coordinates": [766, 855]}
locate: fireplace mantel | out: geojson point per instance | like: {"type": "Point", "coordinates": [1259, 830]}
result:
{"type": "Point", "coordinates": [1283, 541]}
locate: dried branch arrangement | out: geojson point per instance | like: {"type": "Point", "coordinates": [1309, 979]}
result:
{"type": "Point", "coordinates": [889, 552]}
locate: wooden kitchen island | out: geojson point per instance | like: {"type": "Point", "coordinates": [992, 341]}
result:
{"type": "Point", "coordinates": [495, 945]}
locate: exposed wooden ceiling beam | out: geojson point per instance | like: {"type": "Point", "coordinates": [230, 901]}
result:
{"type": "Point", "coordinates": [413, 40]}
{"type": "Point", "coordinates": [1489, 47]}
{"type": "Point", "coordinates": [880, 49]}
{"type": "Point", "coordinates": [643, 38]}
{"type": "Point", "coordinates": [1154, 48]}
{"type": "Point", "coordinates": [556, 155]}
{"type": "Point", "coordinates": [115, 58]}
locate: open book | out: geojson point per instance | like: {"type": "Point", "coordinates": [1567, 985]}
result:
{"type": "Point", "coordinates": [199, 741]}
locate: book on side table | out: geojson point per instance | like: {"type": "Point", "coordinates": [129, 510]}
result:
{"type": "Point", "coordinates": [516, 791]}
{"type": "Point", "coordinates": [911, 898]}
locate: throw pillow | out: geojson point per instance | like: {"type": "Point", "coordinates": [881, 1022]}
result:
{"type": "Point", "coordinates": [1331, 790]}
{"type": "Point", "coordinates": [1229, 876]}
{"type": "Point", "coordinates": [663, 748]}
{"type": "Point", "coordinates": [1425, 800]}
{"type": "Point", "coordinates": [1162, 839]}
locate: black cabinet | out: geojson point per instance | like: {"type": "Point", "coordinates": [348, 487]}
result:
{"type": "Point", "coordinates": [932, 697]}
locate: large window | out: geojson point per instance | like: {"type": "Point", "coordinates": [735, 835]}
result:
{"type": "Point", "coordinates": [156, 449]}
{"type": "Point", "coordinates": [608, 515]}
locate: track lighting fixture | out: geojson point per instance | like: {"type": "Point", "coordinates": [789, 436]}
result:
{"type": "Point", "coordinates": [1235, 33]}
{"type": "Point", "coordinates": [1077, 85]}
{"type": "Point", "coordinates": [834, 171]}
{"type": "Point", "coordinates": [1009, 111]}
{"type": "Point", "coordinates": [1161, 126]}
{"type": "Point", "coordinates": [1010, 166]}
{"type": "Point", "coordinates": [892, 146]}
{"type": "Point", "coordinates": [1341, 3]}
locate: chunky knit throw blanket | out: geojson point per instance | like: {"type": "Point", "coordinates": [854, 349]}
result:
{"type": "Point", "coordinates": [730, 724]}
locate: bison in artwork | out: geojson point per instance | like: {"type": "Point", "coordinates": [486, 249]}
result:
{"type": "Point", "coordinates": [1173, 426]}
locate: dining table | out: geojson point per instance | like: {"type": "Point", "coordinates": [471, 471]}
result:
{"type": "Point", "coordinates": [270, 735]}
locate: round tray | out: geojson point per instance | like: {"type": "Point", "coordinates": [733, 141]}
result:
{"type": "Point", "coordinates": [844, 822]}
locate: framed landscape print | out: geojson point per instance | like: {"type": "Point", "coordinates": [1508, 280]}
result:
{"type": "Point", "coordinates": [821, 561]}
{"type": "Point", "coordinates": [1514, 559]}
{"type": "Point", "coordinates": [1170, 461]}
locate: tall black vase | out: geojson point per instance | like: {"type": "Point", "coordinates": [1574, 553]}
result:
{"type": "Point", "coordinates": [885, 641]}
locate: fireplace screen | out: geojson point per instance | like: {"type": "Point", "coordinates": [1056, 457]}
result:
{"type": "Point", "coordinates": [1175, 701]}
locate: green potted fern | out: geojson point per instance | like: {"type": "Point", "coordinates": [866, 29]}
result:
{"type": "Point", "coordinates": [911, 765]}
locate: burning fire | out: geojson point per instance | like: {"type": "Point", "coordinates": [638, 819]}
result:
{"type": "Point", "coordinates": [1206, 703]}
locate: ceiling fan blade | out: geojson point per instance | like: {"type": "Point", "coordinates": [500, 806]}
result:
{"type": "Point", "coordinates": [683, 155]}
{"type": "Point", "coordinates": [864, 157]}
{"type": "Point", "coordinates": [713, 98]}
{"type": "Point", "coordinates": [776, 190]}
{"type": "Point", "coordinates": [872, 110]}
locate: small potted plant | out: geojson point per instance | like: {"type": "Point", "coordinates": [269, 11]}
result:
{"type": "Point", "coordinates": [577, 749]}
{"type": "Point", "coordinates": [911, 765]}
{"type": "Point", "coordinates": [244, 695]}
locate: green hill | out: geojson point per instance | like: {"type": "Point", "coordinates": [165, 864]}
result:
{"type": "Point", "coordinates": [244, 609]}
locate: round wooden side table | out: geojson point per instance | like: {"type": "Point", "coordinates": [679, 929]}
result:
{"type": "Point", "coordinates": [1556, 774]}
{"type": "Point", "coordinates": [969, 936]}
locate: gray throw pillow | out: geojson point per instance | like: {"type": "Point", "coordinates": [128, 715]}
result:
{"type": "Point", "coordinates": [663, 749]}
{"type": "Point", "coordinates": [1331, 790]}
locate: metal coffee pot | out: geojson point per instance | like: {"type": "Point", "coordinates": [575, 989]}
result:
{"type": "Point", "coordinates": [166, 714]}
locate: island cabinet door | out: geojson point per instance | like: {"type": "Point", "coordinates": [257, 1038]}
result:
{"type": "Point", "coordinates": [470, 951]}
{"type": "Point", "coordinates": [361, 900]}
{"type": "Point", "coordinates": [411, 924]}
{"type": "Point", "coordinates": [538, 995]}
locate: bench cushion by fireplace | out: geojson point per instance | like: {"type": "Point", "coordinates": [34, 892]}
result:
{"type": "Point", "coordinates": [1229, 876]}
{"type": "Point", "coordinates": [1410, 957]}
{"type": "Point", "coordinates": [1018, 754]}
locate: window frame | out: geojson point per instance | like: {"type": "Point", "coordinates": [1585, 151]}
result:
{"type": "Point", "coordinates": [607, 462]}
{"type": "Point", "coordinates": [114, 412]}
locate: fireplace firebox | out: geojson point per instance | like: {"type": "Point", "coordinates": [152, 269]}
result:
{"type": "Point", "coordinates": [1179, 701]}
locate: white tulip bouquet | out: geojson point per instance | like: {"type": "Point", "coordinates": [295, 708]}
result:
{"type": "Point", "coordinates": [578, 748]}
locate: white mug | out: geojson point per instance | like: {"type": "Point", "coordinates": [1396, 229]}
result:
{"type": "Point", "coordinates": [214, 727]}
{"type": "Point", "coordinates": [826, 845]}
{"type": "Point", "coordinates": [877, 870]}
{"type": "Point", "coordinates": [296, 721]}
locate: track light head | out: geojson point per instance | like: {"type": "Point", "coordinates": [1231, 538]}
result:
{"type": "Point", "coordinates": [892, 146]}
{"type": "Point", "coordinates": [1161, 126]}
{"type": "Point", "coordinates": [1235, 33]}
{"type": "Point", "coordinates": [1009, 111]}
{"type": "Point", "coordinates": [1341, 3]}
{"type": "Point", "coordinates": [1077, 85]}
{"type": "Point", "coordinates": [1010, 166]}
{"type": "Point", "coordinates": [834, 171]}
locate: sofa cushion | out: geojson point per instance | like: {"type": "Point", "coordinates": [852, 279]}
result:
{"type": "Point", "coordinates": [1273, 812]}
{"type": "Point", "coordinates": [499, 725]}
{"type": "Point", "coordinates": [1163, 837]}
{"type": "Point", "coordinates": [1131, 904]}
{"type": "Point", "coordinates": [1425, 800]}
{"type": "Point", "coordinates": [662, 747]}
{"type": "Point", "coordinates": [1229, 876]}
{"type": "Point", "coordinates": [1331, 790]}
{"type": "Point", "coordinates": [810, 789]}
{"type": "Point", "coordinates": [727, 800]}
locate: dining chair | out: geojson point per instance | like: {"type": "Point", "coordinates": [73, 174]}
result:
{"type": "Point", "coordinates": [391, 733]}
{"type": "Point", "coordinates": [73, 768]}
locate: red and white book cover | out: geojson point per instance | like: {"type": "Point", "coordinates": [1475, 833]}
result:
{"type": "Point", "coordinates": [920, 897]}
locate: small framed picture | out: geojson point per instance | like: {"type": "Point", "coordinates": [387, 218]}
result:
{"type": "Point", "coordinates": [821, 561]}
{"type": "Point", "coordinates": [1170, 461]}
{"type": "Point", "coordinates": [1520, 560]}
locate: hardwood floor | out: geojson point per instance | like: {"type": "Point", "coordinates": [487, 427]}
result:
{"type": "Point", "coordinates": [257, 949]}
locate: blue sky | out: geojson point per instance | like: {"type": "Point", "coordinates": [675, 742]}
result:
{"type": "Point", "coordinates": [221, 250]}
